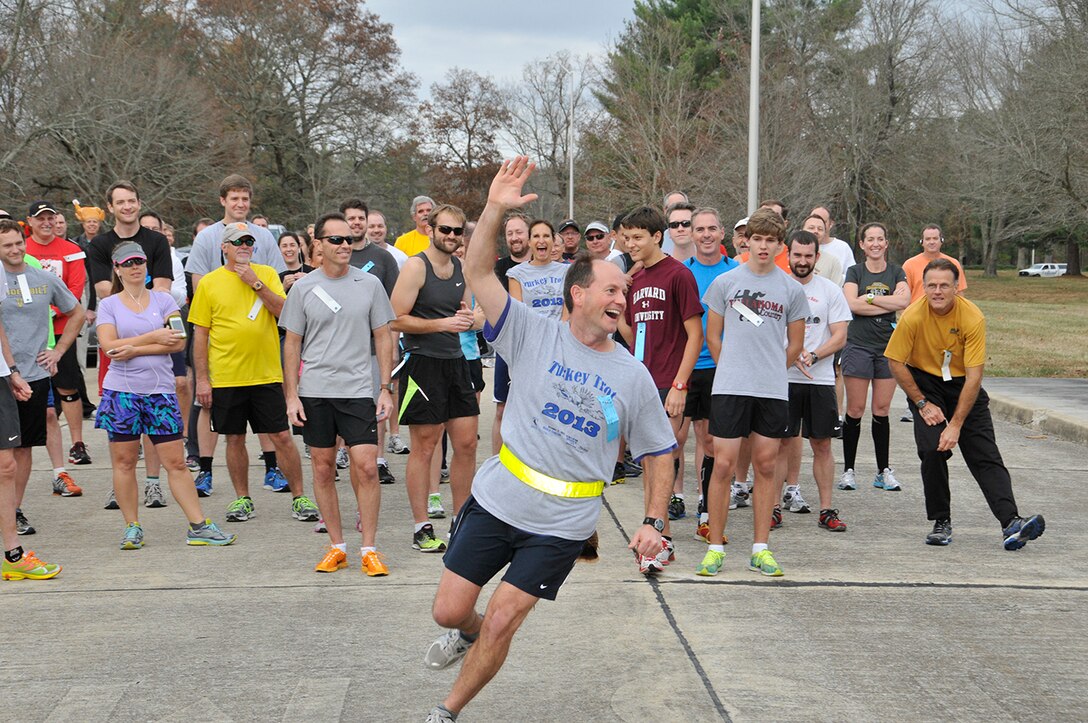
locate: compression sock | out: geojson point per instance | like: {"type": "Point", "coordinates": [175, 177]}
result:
{"type": "Point", "coordinates": [205, 464]}
{"type": "Point", "coordinates": [269, 460]}
{"type": "Point", "coordinates": [881, 432]}
{"type": "Point", "coordinates": [851, 433]}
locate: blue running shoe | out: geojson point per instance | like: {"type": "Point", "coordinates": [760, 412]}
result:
{"type": "Point", "coordinates": [275, 481]}
{"type": "Point", "coordinates": [204, 484]}
{"type": "Point", "coordinates": [1022, 530]}
{"type": "Point", "coordinates": [133, 538]}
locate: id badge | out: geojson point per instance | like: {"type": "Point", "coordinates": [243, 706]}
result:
{"type": "Point", "coordinates": [640, 340]}
{"type": "Point", "coordinates": [946, 366]}
{"type": "Point", "coordinates": [747, 313]}
{"type": "Point", "coordinates": [611, 418]}
{"type": "Point", "coordinates": [329, 301]}
{"type": "Point", "coordinates": [368, 266]}
{"type": "Point", "coordinates": [24, 288]}
{"type": "Point", "coordinates": [257, 306]}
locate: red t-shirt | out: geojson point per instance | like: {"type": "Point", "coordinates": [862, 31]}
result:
{"type": "Point", "coordinates": [660, 299]}
{"type": "Point", "coordinates": [68, 262]}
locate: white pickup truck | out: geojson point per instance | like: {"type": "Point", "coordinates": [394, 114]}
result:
{"type": "Point", "coordinates": [1043, 270]}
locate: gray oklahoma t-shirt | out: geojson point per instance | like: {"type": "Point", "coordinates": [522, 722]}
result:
{"type": "Point", "coordinates": [336, 354]}
{"type": "Point", "coordinates": [541, 287]}
{"type": "Point", "coordinates": [27, 324]}
{"type": "Point", "coordinates": [556, 423]}
{"type": "Point", "coordinates": [753, 358]}
{"type": "Point", "coordinates": [207, 253]}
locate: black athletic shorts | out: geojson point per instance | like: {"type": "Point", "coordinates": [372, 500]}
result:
{"type": "Point", "coordinates": [864, 363]}
{"type": "Point", "coordinates": [32, 414]}
{"type": "Point", "coordinates": [10, 433]}
{"type": "Point", "coordinates": [353, 419]}
{"type": "Point", "coordinates": [733, 416]}
{"type": "Point", "coordinates": [444, 390]}
{"type": "Point", "coordinates": [699, 385]}
{"type": "Point", "coordinates": [262, 406]}
{"type": "Point", "coordinates": [476, 373]}
{"type": "Point", "coordinates": [814, 411]}
{"type": "Point", "coordinates": [68, 371]}
{"type": "Point", "coordinates": [482, 544]}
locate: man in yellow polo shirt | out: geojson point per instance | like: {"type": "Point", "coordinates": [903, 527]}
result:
{"type": "Point", "coordinates": [417, 240]}
{"type": "Point", "coordinates": [937, 353]}
{"type": "Point", "coordinates": [236, 353]}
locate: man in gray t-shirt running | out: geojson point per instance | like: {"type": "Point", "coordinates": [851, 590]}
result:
{"type": "Point", "coordinates": [535, 503]}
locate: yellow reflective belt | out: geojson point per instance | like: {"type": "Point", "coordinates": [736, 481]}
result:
{"type": "Point", "coordinates": [544, 483]}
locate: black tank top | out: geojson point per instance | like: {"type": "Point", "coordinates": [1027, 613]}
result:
{"type": "Point", "coordinates": [437, 299]}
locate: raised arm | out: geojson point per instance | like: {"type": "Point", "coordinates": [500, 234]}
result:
{"type": "Point", "coordinates": [504, 194]}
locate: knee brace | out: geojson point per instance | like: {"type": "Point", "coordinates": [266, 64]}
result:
{"type": "Point", "coordinates": [73, 397]}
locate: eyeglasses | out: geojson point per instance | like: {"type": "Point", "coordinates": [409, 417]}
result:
{"type": "Point", "coordinates": [455, 230]}
{"type": "Point", "coordinates": [337, 240]}
{"type": "Point", "coordinates": [679, 224]}
{"type": "Point", "coordinates": [129, 263]}
{"type": "Point", "coordinates": [594, 236]}
{"type": "Point", "coordinates": [244, 241]}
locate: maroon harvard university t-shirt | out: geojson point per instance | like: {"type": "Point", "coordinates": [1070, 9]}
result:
{"type": "Point", "coordinates": [659, 300]}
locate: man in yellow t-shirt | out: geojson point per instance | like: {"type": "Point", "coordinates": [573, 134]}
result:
{"type": "Point", "coordinates": [937, 354]}
{"type": "Point", "coordinates": [236, 355]}
{"type": "Point", "coordinates": [417, 239]}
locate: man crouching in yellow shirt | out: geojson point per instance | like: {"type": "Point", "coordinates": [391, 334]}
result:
{"type": "Point", "coordinates": [937, 353]}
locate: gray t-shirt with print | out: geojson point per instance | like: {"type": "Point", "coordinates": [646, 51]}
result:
{"type": "Point", "coordinates": [27, 324]}
{"type": "Point", "coordinates": [752, 362]}
{"type": "Point", "coordinates": [557, 422]}
{"type": "Point", "coordinates": [336, 353]}
{"type": "Point", "coordinates": [541, 287]}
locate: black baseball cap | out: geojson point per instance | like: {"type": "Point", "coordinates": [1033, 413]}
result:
{"type": "Point", "coordinates": [39, 207]}
{"type": "Point", "coordinates": [569, 223]}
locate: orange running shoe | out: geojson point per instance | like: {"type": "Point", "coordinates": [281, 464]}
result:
{"type": "Point", "coordinates": [373, 565]}
{"type": "Point", "coordinates": [29, 567]}
{"type": "Point", "coordinates": [65, 486]}
{"type": "Point", "coordinates": [332, 561]}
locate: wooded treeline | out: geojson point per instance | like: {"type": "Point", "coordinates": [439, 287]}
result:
{"type": "Point", "coordinates": [971, 115]}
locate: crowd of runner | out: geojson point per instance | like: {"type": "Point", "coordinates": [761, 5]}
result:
{"type": "Point", "coordinates": [611, 345]}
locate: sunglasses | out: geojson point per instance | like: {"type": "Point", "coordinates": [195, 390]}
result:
{"type": "Point", "coordinates": [129, 263]}
{"type": "Point", "coordinates": [594, 236]}
{"type": "Point", "coordinates": [244, 241]}
{"type": "Point", "coordinates": [455, 230]}
{"type": "Point", "coordinates": [679, 224]}
{"type": "Point", "coordinates": [338, 240]}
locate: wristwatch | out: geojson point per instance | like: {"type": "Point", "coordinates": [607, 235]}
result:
{"type": "Point", "coordinates": [680, 386]}
{"type": "Point", "coordinates": [14, 369]}
{"type": "Point", "coordinates": [921, 403]}
{"type": "Point", "coordinates": [388, 387]}
{"type": "Point", "coordinates": [869, 297]}
{"type": "Point", "coordinates": [815, 358]}
{"type": "Point", "coordinates": [258, 286]}
{"type": "Point", "coordinates": [655, 522]}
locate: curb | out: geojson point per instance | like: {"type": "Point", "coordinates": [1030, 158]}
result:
{"type": "Point", "coordinates": [1042, 419]}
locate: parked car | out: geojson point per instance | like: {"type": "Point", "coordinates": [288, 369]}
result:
{"type": "Point", "coordinates": [1043, 270]}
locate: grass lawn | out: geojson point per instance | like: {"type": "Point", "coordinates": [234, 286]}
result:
{"type": "Point", "coordinates": [1035, 327]}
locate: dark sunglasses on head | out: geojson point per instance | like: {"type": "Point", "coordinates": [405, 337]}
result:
{"type": "Point", "coordinates": [338, 240]}
{"type": "Point", "coordinates": [244, 241]}
{"type": "Point", "coordinates": [678, 224]}
{"type": "Point", "coordinates": [129, 263]}
{"type": "Point", "coordinates": [455, 230]}
{"type": "Point", "coordinates": [594, 236]}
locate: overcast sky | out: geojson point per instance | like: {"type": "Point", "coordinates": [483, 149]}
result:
{"type": "Point", "coordinates": [496, 37]}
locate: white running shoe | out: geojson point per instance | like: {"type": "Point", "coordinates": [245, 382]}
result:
{"type": "Point", "coordinates": [447, 650]}
{"type": "Point", "coordinates": [887, 481]}
{"type": "Point", "coordinates": [794, 502]}
{"type": "Point", "coordinates": [847, 481]}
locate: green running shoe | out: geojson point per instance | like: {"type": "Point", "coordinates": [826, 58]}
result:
{"type": "Point", "coordinates": [240, 510]}
{"type": "Point", "coordinates": [209, 534]}
{"type": "Point", "coordinates": [763, 562]}
{"type": "Point", "coordinates": [303, 510]}
{"type": "Point", "coordinates": [425, 540]}
{"type": "Point", "coordinates": [133, 538]}
{"type": "Point", "coordinates": [711, 564]}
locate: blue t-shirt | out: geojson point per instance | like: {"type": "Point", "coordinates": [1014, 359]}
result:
{"type": "Point", "coordinates": [704, 276]}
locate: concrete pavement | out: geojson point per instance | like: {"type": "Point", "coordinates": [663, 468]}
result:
{"type": "Point", "coordinates": [870, 624]}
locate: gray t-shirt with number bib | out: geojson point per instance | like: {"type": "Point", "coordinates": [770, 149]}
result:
{"type": "Point", "coordinates": [336, 354]}
{"type": "Point", "coordinates": [753, 357]}
{"type": "Point", "coordinates": [557, 422]}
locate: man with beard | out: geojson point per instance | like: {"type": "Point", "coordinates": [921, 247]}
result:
{"type": "Point", "coordinates": [813, 410]}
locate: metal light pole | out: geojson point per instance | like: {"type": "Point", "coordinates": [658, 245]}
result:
{"type": "Point", "coordinates": [753, 114]}
{"type": "Point", "coordinates": [570, 152]}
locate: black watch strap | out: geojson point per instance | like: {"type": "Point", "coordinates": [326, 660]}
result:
{"type": "Point", "coordinates": [655, 522]}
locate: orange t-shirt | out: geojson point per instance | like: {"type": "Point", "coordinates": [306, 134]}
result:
{"type": "Point", "coordinates": [913, 268]}
{"type": "Point", "coordinates": [782, 260]}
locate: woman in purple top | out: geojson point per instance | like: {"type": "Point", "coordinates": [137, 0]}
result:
{"type": "Point", "coordinates": [139, 396]}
